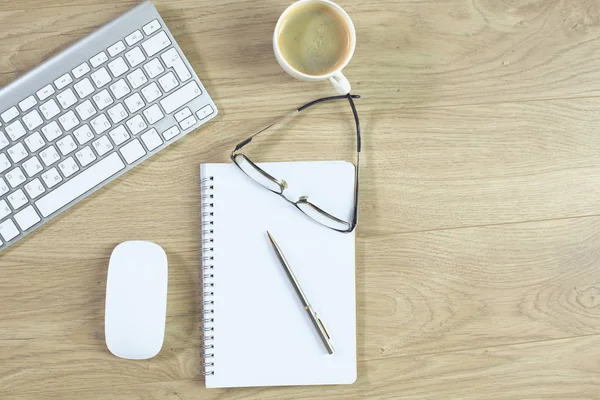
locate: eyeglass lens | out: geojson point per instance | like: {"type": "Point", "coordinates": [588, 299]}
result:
{"type": "Point", "coordinates": [322, 217]}
{"type": "Point", "coordinates": [306, 207]}
{"type": "Point", "coordinates": [255, 174]}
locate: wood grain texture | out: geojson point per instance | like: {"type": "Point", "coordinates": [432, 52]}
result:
{"type": "Point", "coordinates": [554, 370]}
{"type": "Point", "coordinates": [478, 261]}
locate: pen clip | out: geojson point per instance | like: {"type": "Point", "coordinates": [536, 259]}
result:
{"type": "Point", "coordinates": [323, 326]}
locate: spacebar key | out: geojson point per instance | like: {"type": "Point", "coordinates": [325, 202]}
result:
{"type": "Point", "coordinates": [82, 183]}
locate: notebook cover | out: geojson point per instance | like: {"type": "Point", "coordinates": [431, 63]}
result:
{"type": "Point", "coordinates": [261, 334]}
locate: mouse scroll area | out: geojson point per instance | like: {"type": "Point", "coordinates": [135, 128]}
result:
{"type": "Point", "coordinates": [136, 300]}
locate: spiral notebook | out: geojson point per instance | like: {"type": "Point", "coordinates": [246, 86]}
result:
{"type": "Point", "coordinates": [256, 332]}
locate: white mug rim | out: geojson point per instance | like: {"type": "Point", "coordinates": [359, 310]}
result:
{"type": "Point", "coordinates": [350, 53]}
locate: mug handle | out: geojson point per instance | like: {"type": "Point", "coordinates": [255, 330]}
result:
{"type": "Point", "coordinates": [340, 83]}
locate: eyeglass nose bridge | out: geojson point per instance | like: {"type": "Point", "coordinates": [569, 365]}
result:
{"type": "Point", "coordinates": [291, 195]}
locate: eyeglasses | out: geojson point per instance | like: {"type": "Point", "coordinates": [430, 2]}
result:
{"type": "Point", "coordinates": [279, 186]}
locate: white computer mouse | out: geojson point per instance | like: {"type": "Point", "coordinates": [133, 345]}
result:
{"type": "Point", "coordinates": [136, 300]}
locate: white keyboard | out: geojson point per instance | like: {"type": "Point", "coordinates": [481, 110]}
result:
{"type": "Point", "coordinates": [90, 114]}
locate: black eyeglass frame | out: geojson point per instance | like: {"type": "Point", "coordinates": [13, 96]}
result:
{"type": "Point", "coordinates": [282, 184]}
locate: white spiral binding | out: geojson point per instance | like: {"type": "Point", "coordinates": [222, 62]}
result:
{"type": "Point", "coordinates": [207, 276]}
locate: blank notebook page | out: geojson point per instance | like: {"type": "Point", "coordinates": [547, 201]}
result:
{"type": "Point", "coordinates": [262, 335]}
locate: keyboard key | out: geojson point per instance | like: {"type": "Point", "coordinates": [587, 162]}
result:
{"type": "Point", "coordinates": [51, 177]}
{"type": "Point", "coordinates": [183, 114]}
{"type": "Point", "coordinates": [134, 38]}
{"type": "Point", "coordinates": [4, 209]}
{"type": "Point", "coordinates": [173, 60]}
{"type": "Point", "coordinates": [17, 153]}
{"type": "Point", "coordinates": [151, 92]}
{"type": "Point", "coordinates": [117, 113]}
{"type": "Point", "coordinates": [33, 120]}
{"type": "Point", "coordinates": [100, 124]}
{"type": "Point", "coordinates": [3, 140]}
{"type": "Point", "coordinates": [181, 70]}
{"type": "Point", "coordinates": [137, 78]}
{"type": "Point", "coordinates": [168, 82]}
{"type": "Point", "coordinates": [118, 67]}
{"type": "Point", "coordinates": [84, 88]}
{"type": "Point", "coordinates": [27, 218]}
{"type": "Point", "coordinates": [10, 114]}
{"type": "Point", "coordinates": [134, 103]}
{"type": "Point", "coordinates": [103, 99]}
{"type": "Point", "coordinates": [34, 142]}
{"type": "Point", "coordinates": [15, 177]}
{"type": "Point", "coordinates": [15, 130]}
{"type": "Point", "coordinates": [68, 167]}
{"type": "Point", "coordinates": [33, 166]}
{"type": "Point", "coordinates": [80, 184]}
{"type": "Point", "coordinates": [17, 199]}
{"type": "Point", "coordinates": [63, 81]}
{"type": "Point", "coordinates": [153, 114]}
{"type": "Point", "coordinates": [152, 27]}
{"type": "Point", "coordinates": [170, 56]}
{"type": "Point", "coordinates": [85, 156]}
{"type": "Point", "coordinates": [156, 43]}
{"type": "Point", "coordinates": [133, 151]}
{"type": "Point", "coordinates": [98, 59]}
{"type": "Point", "coordinates": [151, 139]}
{"type": "Point", "coordinates": [120, 89]}
{"type": "Point", "coordinates": [28, 103]}
{"type": "Point", "coordinates": [136, 125]}
{"type": "Point", "coordinates": [66, 145]}
{"type": "Point", "coordinates": [171, 132]}
{"type": "Point", "coordinates": [85, 110]}
{"type": "Point", "coordinates": [4, 162]}
{"type": "Point", "coordinates": [101, 77]}
{"type": "Point", "coordinates": [49, 156]}
{"type": "Point", "coordinates": [154, 68]}
{"type": "Point", "coordinates": [204, 112]}
{"type": "Point", "coordinates": [102, 146]}
{"type": "Point", "coordinates": [34, 188]}
{"type": "Point", "coordinates": [83, 134]}
{"type": "Point", "coordinates": [135, 57]}
{"type": "Point", "coordinates": [68, 121]}
{"type": "Point", "coordinates": [188, 122]}
{"type": "Point", "coordinates": [116, 48]}
{"type": "Point", "coordinates": [3, 187]}
{"type": "Point", "coordinates": [180, 97]}
{"type": "Point", "coordinates": [81, 70]}
{"type": "Point", "coordinates": [51, 131]}
{"type": "Point", "coordinates": [119, 135]}
{"type": "Point", "coordinates": [66, 98]}
{"type": "Point", "coordinates": [44, 92]}
{"type": "Point", "coordinates": [50, 109]}
{"type": "Point", "coordinates": [8, 230]}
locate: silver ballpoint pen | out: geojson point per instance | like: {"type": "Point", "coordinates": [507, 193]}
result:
{"type": "Point", "coordinates": [316, 321]}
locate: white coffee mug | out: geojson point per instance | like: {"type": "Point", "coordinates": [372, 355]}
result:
{"type": "Point", "coordinates": [337, 79]}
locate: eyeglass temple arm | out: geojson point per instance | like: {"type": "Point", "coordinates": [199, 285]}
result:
{"type": "Point", "coordinates": [312, 103]}
{"type": "Point", "coordinates": [248, 140]}
{"type": "Point", "coordinates": [357, 173]}
{"type": "Point", "coordinates": [323, 99]}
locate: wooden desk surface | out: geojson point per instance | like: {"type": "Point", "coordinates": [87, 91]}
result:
{"type": "Point", "coordinates": [478, 273]}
